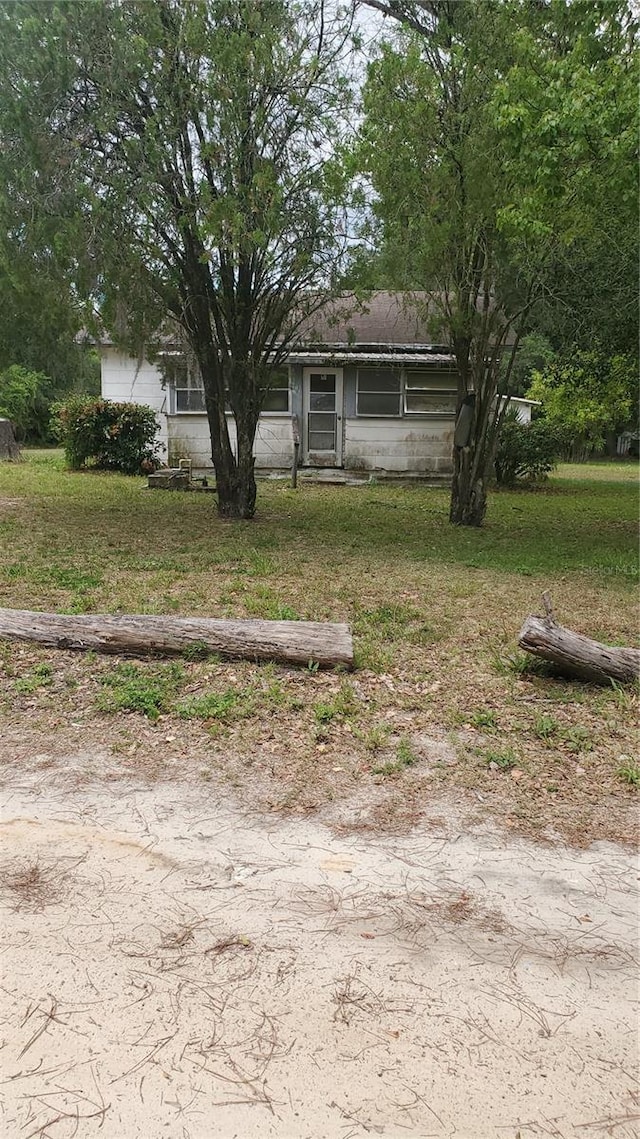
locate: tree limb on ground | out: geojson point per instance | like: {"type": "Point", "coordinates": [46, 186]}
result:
{"type": "Point", "coordinates": [574, 654]}
{"type": "Point", "coordinates": [327, 645]}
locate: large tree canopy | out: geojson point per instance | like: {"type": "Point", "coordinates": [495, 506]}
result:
{"type": "Point", "coordinates": [493, 175]}
{"type": "Point", "coordinates": [41, 310]}
{"type": "Point", "coordinates": [567, 111]}
{"type": "Point", "coordinates": [193, 139]}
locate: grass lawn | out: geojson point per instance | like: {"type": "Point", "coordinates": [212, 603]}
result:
{"type": "Point", "coordinates": [441, 700]}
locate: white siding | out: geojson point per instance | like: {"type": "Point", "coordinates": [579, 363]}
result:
{"type": "Point", "coordinates": [522, 407]}
{"type": "Point", "coordinates": [274, 442]}
{"type": "Point", "coordinates": [124, 380]}
{"type": "Point", "coordinates": [189, 438]}
{"type": "Point", "coordinates": [399, 445]}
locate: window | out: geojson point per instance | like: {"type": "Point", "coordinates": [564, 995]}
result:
{"type": "Point", "coordinates": [188, 393]}
{"type": "Point", "coordinates": [381, 391]}
{"type": "Point", "coordinates": [378, 392]}
{"type": "Point", "coordinates": [276, 398]}
{"type": "Point", "coordinates": [430, 393]}
{"type": "Point", "coordinates": [185, 384]}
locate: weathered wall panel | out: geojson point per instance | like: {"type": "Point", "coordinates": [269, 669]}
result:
{"type": "Point", "coordinates": [189, 438]}
{"type": "Point", "coordinates": [418, 446]}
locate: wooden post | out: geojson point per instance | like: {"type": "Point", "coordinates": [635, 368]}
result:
{"type": "Point", "coordinates": [295, 427]}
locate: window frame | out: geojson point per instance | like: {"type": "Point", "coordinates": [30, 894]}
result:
{"type": "Point", "coordinates": [403, 411]}
{"type": "Point", "coordinates": [280, 388]}
{"type": "Point", "coordinates": [383, 414]}
{"type": "Point", "coordinates": [428, 389]}
{"type": "Point", "coordinates": [194, 384]}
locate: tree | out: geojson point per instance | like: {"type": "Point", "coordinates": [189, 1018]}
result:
{"type": "Point", "coordinates": [25, 399]}
{"type": "Point", "coordinates": [195, 139]}
{"type": "Point", "coordinates": [40, 317]}
{"type": "Point", "coordinates": [534, 354]}
{"type": "Point", "coordinates": [430, 147]}
{"type": "Point", "coordinates": [471, 206]}
{"type": "Point", "coordinates": [41, 312]}
{"type": "Point", "coordinates": [568, 115]}
{"type": "Point", "coordinates": [587, 395]}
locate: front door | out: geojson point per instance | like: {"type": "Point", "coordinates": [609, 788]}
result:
{"type": "Point", "coordinates": [323, 418]}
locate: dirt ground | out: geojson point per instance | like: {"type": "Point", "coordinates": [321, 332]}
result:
{"type": "Point", "coordinates": [175, 963]}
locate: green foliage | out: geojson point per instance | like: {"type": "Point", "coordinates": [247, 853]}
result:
{"type": "Point", "coordinates": [545, 726]}
{"type": "Point", "coordinates": [374, 738]}
{"type": "Point", "coordinates": [518, 664]}
{"type": "Point", "coordinates": [108, 435]}
{"type": "Point", "coordinates": [578, 739]}
{"type": "Point", "coordinates": [39, 676]}
{"type": "Point", "coordinates": [630, 772]}
{"type": "Point", "coordinates": [528, 451]}
{"type": "Point", "coordinates": [534, 354]}
{"type": "Point", "coordinates": [484, 719]}
{"type": "Point", "coordinates": [566, 111]}
{"type": "Point", "coordinates": [342, 706]}
{"type": "Point", "coordinates": [405, 757]}
{"type": "Point", "coordinates": [504, 760]}
{"type": "Point", "coordinates": [24, 400]}
{"type": "Point", "coordinates": [587, 395]}
{"type": "Point", "coordinates": [215, 706]}
{"type": "Point", "coordinates": [149, 691]}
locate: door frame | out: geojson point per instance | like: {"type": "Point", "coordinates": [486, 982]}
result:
{"type": "Point", "coordinates": [316, 458]}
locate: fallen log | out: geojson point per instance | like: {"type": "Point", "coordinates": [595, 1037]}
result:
{"type": "Point", "coordinates": [574, 654]}
{"type": "Point", "coordinates": [292, 642]}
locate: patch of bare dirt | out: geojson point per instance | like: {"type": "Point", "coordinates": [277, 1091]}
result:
{"type": "Point", "coordinates": [176, 964]}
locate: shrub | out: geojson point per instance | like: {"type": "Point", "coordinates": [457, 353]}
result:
{"type": "Point", "coordinates": [111, 436]}
{"type": "Point", "coordinates": [526, 450]}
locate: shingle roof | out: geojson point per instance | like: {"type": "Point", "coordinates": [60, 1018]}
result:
{"type": "Point", "coordinates": [383, 319]}
{"type": "Point", "coordinates": [397, 322]}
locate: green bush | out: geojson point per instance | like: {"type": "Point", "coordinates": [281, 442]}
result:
{"type": "Point", "coordinates": [111, 436]}
{"type": "Point", "coordinates": [526, 450]}
{"type": "Point", "coordinates": [24, 399]}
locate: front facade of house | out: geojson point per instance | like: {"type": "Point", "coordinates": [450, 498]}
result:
{"type": "Point", "coordinates": [367, 394]}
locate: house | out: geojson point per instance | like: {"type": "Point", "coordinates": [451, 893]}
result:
{"type": "Point", "coordinates": [368, 391]}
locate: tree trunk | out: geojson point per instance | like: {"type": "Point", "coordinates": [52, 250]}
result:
{"type": "Point", "coordinates": [237, 494]}
{"type": "Point", "coordinates": [468, 491]}
{"type": "Point", "coordinates": [9, 449]}
{"type": "Point", "coordinates": [292, 642]}
{"type": "Point", "coordinates": [235, 478]}
{"type": "Point", "coordinates": [235, 473]}
{"type": "Point", "coordinates": [576, 655]}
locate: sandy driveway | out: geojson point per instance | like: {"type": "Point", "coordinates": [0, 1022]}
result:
{"type": "Point", "coordinates": [175, 967]}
